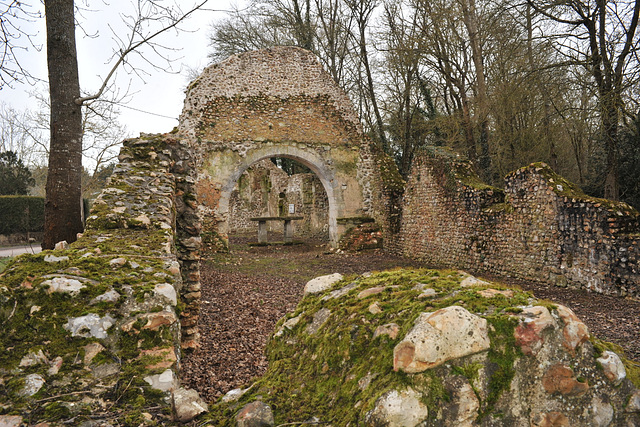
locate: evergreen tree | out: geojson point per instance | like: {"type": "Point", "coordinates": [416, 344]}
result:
{"type": "Point", "coordinates": [15, 177]}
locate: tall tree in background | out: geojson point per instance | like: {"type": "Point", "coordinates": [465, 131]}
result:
{"type": "Point", "coordinates": [602, 38]}
{"type": "Point", "coordinates": [63, 211]}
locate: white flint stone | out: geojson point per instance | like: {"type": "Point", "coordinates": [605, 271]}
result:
{"type": "Point", "coordinates": [64, 285]}
{"type": "Point", "coordinates": [55, 366]}
{"type": "Point", "coordinates": [601, 413]}
{"type": "Point", "coordinates": [167, 291]}
{"type": "Point", "coordinates": [188, 404]}
{"type": "Point", "coordinates": [398, 409]}
{"type": "Point", "coordinates": [319, 319]}
{"type": "Point", "coordinates": [289, 324]}
{"type": "Point", "coordinates": [10, 420]}
{"type": "Point", "coordinates": [321, 283]}
{"type": "Point", "coordinates": [109, 296]}
{"type": "Point", "coordinates": [338, 293]}
{"type": "Point", "coordinates": [443, 335]}
{"type": "Point", "coordinates": [32, 384]}
{"type": "Point", "coordinates": [33, 358]}
{"type": "Point", "coordinates": [472, 281]}
{"type": "Point", "coordinates": [53, 258]}
{"type": "Point", "coordinates": [428, 293]}
{"type": "Point", "coordinates": [634, 402]}
{"type": "Point", "coordinates": [90, 325]}
{"type": "Point", "coordinates": [143, 219]}
{"type": "Point", "coordinates": [62, 246]}
{"type": "Point", "coordinates": [613, 368]}
{"type": "Point", "coordinates": [165, 381]}
{"type": "Point", "coordinates": [233, 395]}
{"type": "Point", "coordinates": [119, 262]}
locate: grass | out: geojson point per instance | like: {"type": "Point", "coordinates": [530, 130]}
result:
{"type": "Point", "coordinates": [4, 262]}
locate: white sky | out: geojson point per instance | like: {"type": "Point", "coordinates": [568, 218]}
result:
{"type": "Point", "coordinates": [160, 92]}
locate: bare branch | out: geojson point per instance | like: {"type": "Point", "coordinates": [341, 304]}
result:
{"type": "Point", "coordinates": [133, 43]}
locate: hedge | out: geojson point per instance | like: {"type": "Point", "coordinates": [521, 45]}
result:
{"type": "Point", "coordinates": [19, 214]}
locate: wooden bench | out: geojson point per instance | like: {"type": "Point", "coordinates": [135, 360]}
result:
{"type": "Point", "coordinates": [288, 227]}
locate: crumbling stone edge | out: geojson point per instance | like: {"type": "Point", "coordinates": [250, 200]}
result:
{"type": "Point", "coordinates": [94, 331]}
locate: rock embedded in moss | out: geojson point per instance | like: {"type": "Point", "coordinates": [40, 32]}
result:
{"type": "Point", "coordinates": [187, 405]}
{"type": "Point", "coordinates": [322, 283]}
{"type": "Point", "coordinates": [255, 414]}
{"type": "Point", "coordinates": [32, 384]}
{"type": "Point", "coordinates": [446, 334]}
{"type": "Point", "coordinates": [64, 285]}
{"type": "Point", "coordinates": [612, 366]}
{"type": "Point", "coordinates": [91, 325]}
{"type": "Point", "coordinates": [340, 374]}
{"type": "Point", "coordinates": [398, 409]}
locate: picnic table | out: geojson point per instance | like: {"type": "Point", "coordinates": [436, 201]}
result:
{"type": "Point", "coordinates": [288, 227]}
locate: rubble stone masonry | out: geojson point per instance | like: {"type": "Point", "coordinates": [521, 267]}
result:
{"type": "Point", "coordinates": [540, 228]}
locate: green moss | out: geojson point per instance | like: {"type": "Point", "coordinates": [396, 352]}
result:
{"type": "Point", "coordinates": [4, 262]}
{"type": "Point", "coordinates": [502, 354]}
{"type": "Point", "coordinates": [55, 411]}
{"type": "Point", "coordinates": [564, 188]}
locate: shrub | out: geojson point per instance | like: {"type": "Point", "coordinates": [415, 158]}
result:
{"type": "Point", "coordinates": [20, 214]}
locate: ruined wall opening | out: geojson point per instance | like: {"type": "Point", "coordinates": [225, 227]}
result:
{"type": "Point", "coordinates": [278, 187]}
{"type": "Point", "coordinates": [313, 196]}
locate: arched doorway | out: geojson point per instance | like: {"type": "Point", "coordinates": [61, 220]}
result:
{"type": "Point", "coordinates": [279, 187]}
{"type": "Point", "coordinates": [314, 164]}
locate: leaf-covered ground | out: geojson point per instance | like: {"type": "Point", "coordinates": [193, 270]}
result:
{"type": "Point", "coordinates": [245, 292]}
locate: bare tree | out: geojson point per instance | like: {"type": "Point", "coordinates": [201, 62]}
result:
{"type": "Point", "coordinates": [63, 212]}
{"type": "Point", "coordinates": [601, 36]}
{"type": "Point", "coordinates": [13, 38]}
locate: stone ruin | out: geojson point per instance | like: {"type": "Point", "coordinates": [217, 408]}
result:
{"type": "Point", "coordinates": [278, 102]}
{"type": "Point", "coordinates": [265, 190]}
{"type": "Point", "coordinates": [540, 227]}
{"type": "Point", "coordinates": [95, 331]}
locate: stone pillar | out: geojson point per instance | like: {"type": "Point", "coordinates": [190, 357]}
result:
{"type": "Point", "coordinates": [288, 231]}
{"type": "Point", "coordinates": [262, 231]}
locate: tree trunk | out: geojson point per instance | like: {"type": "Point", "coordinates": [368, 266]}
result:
{"type": "Point", "coordinates": [471, 22]}
{"type": "Point", "coordinates": [63, 212]}
{"type": "Point", "coordinates": [609, 117]}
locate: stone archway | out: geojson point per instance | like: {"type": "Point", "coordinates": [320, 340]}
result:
{"type": "Point", "coordinates": [276, 102]}
{"type": "Point", "coordinates": [324, 174]}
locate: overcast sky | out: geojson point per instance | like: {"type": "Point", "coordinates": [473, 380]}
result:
{"type": "Point", "coordinates": [158, 92]}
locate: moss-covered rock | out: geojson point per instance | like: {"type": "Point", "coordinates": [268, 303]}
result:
{"type": "Point", "coordinates": [332, 360]}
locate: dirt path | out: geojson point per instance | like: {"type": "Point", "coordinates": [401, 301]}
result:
{"type": "Point", "coordinates": [245, 292]}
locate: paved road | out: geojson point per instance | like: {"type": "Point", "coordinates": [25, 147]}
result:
{"type": "Point", "coordinates": [17, 250]}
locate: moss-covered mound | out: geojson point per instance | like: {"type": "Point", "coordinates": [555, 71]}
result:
{"type": "Point", "coordinates": [91, 332]}
{"type": "Point", "coordinates": [338, 360]}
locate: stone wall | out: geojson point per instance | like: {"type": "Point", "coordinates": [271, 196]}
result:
{"type": "Point", "coordinates": [540, 228]}
{"type": "Point", "coordinates": [91, 332]}
{"type": "Point", "coordinates": [266, 190]}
